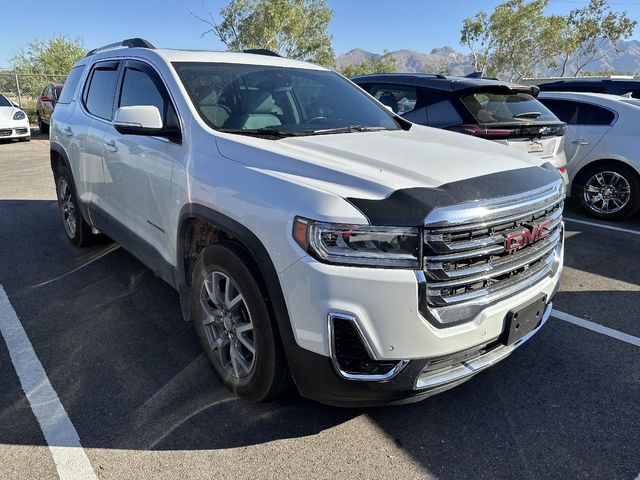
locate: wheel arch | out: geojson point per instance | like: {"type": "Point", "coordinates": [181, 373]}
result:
{"type": "Point", "coordinates": [224, 228]}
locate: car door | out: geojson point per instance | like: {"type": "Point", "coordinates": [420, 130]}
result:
{"type": "Point", "coordinates": [138, 168]}
{"type": "Point", "coordinates": [98, 102]}
{"type": "Point", "coordinates": [586, 123]}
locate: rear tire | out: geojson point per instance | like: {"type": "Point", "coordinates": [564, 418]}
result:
{"type": "Point", "coordinates": [235, 326]}
{"type": "Point", "coordinates": [77, 230]}
{"type": "Point", "coordinates": [44, 127]}
{"type": "Point", "coordinates": [609, 191]}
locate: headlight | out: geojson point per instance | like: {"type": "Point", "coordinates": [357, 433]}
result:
{"type": "Point", "coordinates": [360, 245]}
{"type": "Point", "coordinates": [19, 115]}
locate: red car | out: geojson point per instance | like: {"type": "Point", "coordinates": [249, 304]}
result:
{"type": "Point", "coordinates": [46, 103]}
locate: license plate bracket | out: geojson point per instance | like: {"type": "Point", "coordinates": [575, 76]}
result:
{"type": "Point", "coordinates": [521, 321]}
{"type": "Point", "coordinates": [535, 147]}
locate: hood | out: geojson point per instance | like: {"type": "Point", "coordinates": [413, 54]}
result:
{"type": "Point", "coordinates": [6, 114]}
{"type": "Point", "coordinates": [375, 164]}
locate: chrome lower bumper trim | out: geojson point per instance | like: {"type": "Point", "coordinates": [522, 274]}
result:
{"type": "Point", "coordinates": [434, 379]}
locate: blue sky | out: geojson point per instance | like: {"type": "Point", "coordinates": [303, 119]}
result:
{"type": "Point", "coordinates": [369, 24]}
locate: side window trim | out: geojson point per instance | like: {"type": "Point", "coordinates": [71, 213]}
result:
{"type": "Point", "coordinates": [150, 70]}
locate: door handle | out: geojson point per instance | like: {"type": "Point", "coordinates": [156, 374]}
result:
{"type": "Point", "coordinates": [111, 146]}
{"type": "Point", "coordinates": [67, 132]}
{"type": "Point", "coordinates": [581, 141]}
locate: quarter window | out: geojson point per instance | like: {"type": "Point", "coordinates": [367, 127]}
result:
{"type": "Point", "coordinates": [102, 89]}
{"type": "Point", "coordinates": [70, 84]}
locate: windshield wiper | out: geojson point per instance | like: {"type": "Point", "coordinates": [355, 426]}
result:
{"type": "Point", "coordinates": [348, 129]}
{"type": "Point", "coordinates": [527, 115]}
{"type": "Point", "coordinates": [263, 132]}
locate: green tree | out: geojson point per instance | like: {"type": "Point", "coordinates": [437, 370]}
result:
{"type": "Point", "coordinates": [45, 61]}
{"type": "Point", "coordinates": [293, 28]}
{"type": "Point", "coordinates": [589, 34]}
{"type": "Point", "coordinates": [55, 55]}
{"type": "Point", "coordinates": [518, 40]}
{"type": "Point", "coordinates": [515, 41]}
{"type": "Point", "coordinates": [384, 64]}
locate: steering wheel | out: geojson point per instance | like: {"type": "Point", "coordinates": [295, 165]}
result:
{"type": "Point", "coordinates": [315, 120]}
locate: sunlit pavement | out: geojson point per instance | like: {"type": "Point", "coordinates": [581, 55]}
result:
{"type": "Point", "coordinates": [144, 402]}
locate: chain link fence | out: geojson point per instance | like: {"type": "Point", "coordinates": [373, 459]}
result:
{"type": "Point", "coordinates": [23, 89]}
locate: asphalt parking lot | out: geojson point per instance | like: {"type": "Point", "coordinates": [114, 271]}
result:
{"type": "Point", "coordinates": [145, 403]}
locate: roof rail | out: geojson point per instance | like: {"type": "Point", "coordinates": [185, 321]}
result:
{"type": "Point", "coordinates": [437, 75]}
{"type": "Point", "coordinates": [128, 43]}
{"type": "Point", "coordinates": [261, 51]}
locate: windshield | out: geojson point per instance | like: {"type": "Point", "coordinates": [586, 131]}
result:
{"type": "Point", "coordinates": [488, 107]}
{"type": "Point", "coordinates": [4, 102]}
{"type": "Point", "coordinates": [246, 99]}
{"type": "Point", "coordinates": [58, 89]}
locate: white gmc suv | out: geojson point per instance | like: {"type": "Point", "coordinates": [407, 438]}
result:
{"type": "Point", "coordinates": [313, 235]}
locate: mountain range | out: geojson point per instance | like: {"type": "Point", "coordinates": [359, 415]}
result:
{"type": "Point", "coordinates": [456, 63]}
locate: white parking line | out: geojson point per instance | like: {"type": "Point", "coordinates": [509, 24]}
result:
{"type": "Point", "coordinates": [601, 225]}
{"type": "Point", "coordinates": [596, 327]}
{"type": "Point", "coordinates": [61, 436]}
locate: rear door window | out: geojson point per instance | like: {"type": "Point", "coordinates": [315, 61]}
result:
{"type": "Point", "coordinates": [579, 113]}
{"type": "Point", "coordinates": [402, 99]}
{"type": "Point", "coordinates": [565, 110]}
{"type": "Point", "coordinates": [498, 107]}
{"type": "Point", "coordinates": [594, 115]}
{"type": "Point", "coordinates": [102, 89]}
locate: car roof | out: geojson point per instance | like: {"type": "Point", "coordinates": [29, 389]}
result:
{"type": "Point", "coordinates": [586, 81]}
{"type": "Point", "coordinates": [439, 82]}
{"type": "Point", "coordinates": [204, 56]}
{"type": "Point", "coordinates": [600, 98]}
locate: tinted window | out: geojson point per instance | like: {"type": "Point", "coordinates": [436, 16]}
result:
{"type": "Point", "coordinates": [70, 85]}
{"type": "Point", "coordinates": [401, 99]}
{"type": "Point", "coordinates": [101, 91]}
{"type": "Point", "coordinates": [594, 115]}
{"type": "Point", "coordinates": [139, 89]}
{"type": "Point", "coordinates": [443, 114]}
{"type": "Point", "coordinates": [57, 91]}
{"type": "Point", "coordinates": [579, 113]}
{"type": "Point", "coordinates": [300, 101]}
{"type": "Point", "coordinates": [4, 102]}
{"type": "Point", "coordinates": [565, 110]}
{"type": "Point", "coordinates": [490, 107]}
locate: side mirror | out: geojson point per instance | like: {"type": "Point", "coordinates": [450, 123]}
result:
{"type": "Point", "coordinates": [138, 120]}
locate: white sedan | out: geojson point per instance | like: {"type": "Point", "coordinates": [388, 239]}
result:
{"type": "Point", "coordinates": [602, 145]}
{"type": "Point", "coordinates": [13, 121]}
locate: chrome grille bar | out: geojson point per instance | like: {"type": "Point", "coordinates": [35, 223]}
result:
{"type": "Point", "coordinates": [469, 262]}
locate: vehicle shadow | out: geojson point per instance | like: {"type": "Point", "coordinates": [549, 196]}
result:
{"type": "Point", "coordinates": [130, 373]}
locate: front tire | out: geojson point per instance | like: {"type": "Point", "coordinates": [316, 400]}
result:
{"type": "Point", "coordinates": [77, 230]}
{"type": "Point", "coordinates": [235, 326]}
{"type": "Point", "coordinates": [609, 191]}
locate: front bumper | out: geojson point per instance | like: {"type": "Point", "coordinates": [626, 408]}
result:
{"type": "Point", "coordinates": [316, 378]}
{"type": "Point", "coordinates": [15, 130]}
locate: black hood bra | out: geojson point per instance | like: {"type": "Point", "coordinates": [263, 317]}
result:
{"type": "Point", "coordinates": [408, 207]}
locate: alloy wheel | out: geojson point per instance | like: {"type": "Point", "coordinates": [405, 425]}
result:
{"type": "Point", "coordinates": [67, 207]}
{"type": "Point", "coordinates": [607, 192]}
{"type": "Point", "coordinates": [227, 324]}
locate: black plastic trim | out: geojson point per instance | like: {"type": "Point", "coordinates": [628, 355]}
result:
{"type": "Point", "coordinates": [408, 207]}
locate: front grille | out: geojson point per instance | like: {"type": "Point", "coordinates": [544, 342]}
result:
{"type": "Point", "coordinates": [469, 261]}
{"type": "Point", "coordinates": [351, 355]}
{"type": "Point", "coordinates": [5, 132]}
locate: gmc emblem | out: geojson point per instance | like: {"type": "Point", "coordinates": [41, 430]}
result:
{"type": "Point", "coordinates": [517, 239]}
